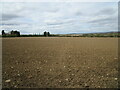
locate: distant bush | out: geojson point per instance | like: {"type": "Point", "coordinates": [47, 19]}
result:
{"type": "Point", "coordinates": [102, 35]}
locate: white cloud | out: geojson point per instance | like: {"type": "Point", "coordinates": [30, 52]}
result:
{"type": "Point", "coordinates": [59, 0]}
{"type": "Point", "coordinates": [59, 17]}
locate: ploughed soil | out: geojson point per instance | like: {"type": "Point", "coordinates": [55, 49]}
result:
{"type": "Point", "coordinates": [59, 62]}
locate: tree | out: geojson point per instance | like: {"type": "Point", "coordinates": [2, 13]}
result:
{"type": "Point", "coordinates": [45, 33]}
{"type": "Point", "coordinates": [15, 33]}
{"type": "Point", "coordinates": [3, 33]}
{"type": "Point", "coordinates": [48, 34]}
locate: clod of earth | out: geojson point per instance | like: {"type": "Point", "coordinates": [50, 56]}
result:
{"type": "Point", "coordinates": [7, 81]}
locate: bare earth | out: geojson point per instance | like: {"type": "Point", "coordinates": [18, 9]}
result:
{"type": "Point", "coordinates": [60, 62]}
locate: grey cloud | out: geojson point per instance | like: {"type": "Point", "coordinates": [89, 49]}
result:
{"type": "Point", "coordinates": [53, 10]}
{"type": "Point", "coordinates": [107, 11]}
{"type": "Point", "coordinates": [57, 23]}
{"type": "Point", "coordinates": [104, 20]}
{"type": "Point", "coordinates": [8, 23]}
{"type": "Point", "coordinates": [14, 24]}
{"type": "Point", "coordinates": [60, 22]}
{"type": "Point", "coordinates": [78, 13]}
{"type": "Point", "coordinates": [6, 17]}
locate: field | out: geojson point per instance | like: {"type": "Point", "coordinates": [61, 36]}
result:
{"type": "Point", "coordinates": [60, 62]}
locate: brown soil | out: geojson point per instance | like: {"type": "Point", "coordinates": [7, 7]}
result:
{"type": "Point", "coordinates": [60, 62]}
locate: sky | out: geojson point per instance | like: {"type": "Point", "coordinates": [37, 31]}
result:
{"type": "Point", "coordinates": [59, 17]}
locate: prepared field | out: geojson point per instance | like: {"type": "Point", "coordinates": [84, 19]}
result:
{"type": "Point", "coordinates": [62, 62]}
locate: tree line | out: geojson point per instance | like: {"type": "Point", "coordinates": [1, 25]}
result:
{"type": "Point", "coordinates": [17, 34]}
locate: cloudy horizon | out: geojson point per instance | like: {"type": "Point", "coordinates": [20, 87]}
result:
{"type": "Point", "coordinates": [59, 18]}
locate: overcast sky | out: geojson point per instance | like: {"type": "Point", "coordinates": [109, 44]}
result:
{"type": "Point", "coordinates": [59, 17]}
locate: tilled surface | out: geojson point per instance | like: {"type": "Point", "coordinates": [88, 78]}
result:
{"type": "Point", "coordinates": [62, 62]}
